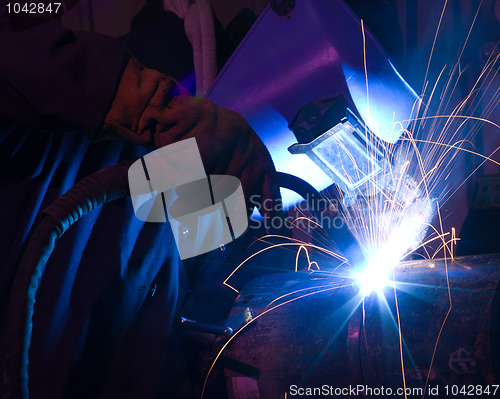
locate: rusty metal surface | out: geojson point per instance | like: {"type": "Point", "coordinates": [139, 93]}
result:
{"type": "Point", "coordinates": [459, 324]}
{"type": "Point", "coordinates": [314, 335]}
{"type": "Point", "coordinates": [304, 330]}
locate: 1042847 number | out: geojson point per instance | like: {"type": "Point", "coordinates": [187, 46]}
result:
{"type": "Point", "coordinates": [33, 8]}
{"type": "Point", "coordinates": [479, 391]}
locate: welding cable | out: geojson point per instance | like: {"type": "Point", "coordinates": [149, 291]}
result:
{"type": "Point", "coordinates": [342, 238]}
{"type": "Point", "coordinates": [304, 189]}
{"type": "Point", "coordinates": [101, 187]}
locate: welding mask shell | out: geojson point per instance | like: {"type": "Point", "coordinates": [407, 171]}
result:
{"type": "Point", "coordinates": [319, 49]}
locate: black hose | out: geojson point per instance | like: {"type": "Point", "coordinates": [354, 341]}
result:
{"type": "Point", "coordinates": [304, 189]}
{"type": "Point", "coordinates": [103, 186]}
{"type": "Point", "coordinates": [341, 237]}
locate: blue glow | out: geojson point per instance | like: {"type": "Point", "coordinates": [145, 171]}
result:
{"type": "Point", "coordinates": [389, 104]}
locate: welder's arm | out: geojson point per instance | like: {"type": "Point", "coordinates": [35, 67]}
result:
{"type": "Point", "coordinates": [153, 109]}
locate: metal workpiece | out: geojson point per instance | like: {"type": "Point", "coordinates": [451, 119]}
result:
{"type": "Point", "coordinates": [226, 328]}
{"type": "Point", "coordinates": [299, 329]}
{"type": "Point", "coordinates": [316, 330]}
{"type": "Point", "coordinates": [449, 336]}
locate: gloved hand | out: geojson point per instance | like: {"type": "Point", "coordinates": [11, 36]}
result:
{"type": "Point", "coordinates": [153, 109]}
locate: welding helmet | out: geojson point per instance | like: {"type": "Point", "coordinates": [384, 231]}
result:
{"type": "Point", "coordinates": [298, 59]}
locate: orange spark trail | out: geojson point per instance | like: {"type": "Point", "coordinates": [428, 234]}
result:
{"type": "Point", "coordinates": [399, 332]}
{"type": "Point", "coordinates": [434, 42]}
{"type": "Point", "coordinates": [366, 71]}
{"type": "Point", "coordinates": [294, 292]}
{"type": "Point", "coordinates": [309, 262]}
{"type": "Point", "coordinates": [296, 243]}
{"type": "Point", "coordinates": [445, 318]}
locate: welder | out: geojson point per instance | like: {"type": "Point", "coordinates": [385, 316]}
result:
{"type": "Point", "coordinates": [72, 104]}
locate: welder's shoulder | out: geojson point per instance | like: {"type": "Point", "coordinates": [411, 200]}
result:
{"type": "Point", "coordinates": [52, 78]}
